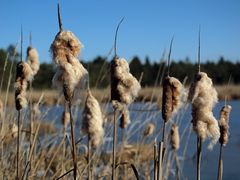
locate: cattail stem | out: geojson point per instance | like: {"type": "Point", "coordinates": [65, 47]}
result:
{"type": "Point", "coordinates": [163, 139]}
{"type": "Point", "coordinates": [220, 164]}
{"type": "Point", "coordinates": [123, 136]}
{"type": "Point", "coordinates": [18, 145]}
{"type": "Point", "coordinates": [199, 156]}
{"type": "Point", "coordinates": [115, 38]}
{"type": "Point", "coordinates": [89, 159]}
{"type": "Point", "coordinates": [59, 18]}
{"type": "Point", "coordinates": [160, 158]}
{"type": "Point", "coordinates": [155, 160]}
{"type": "Point", "coordinates": [169, 57]}
{"type": "Point", "coordinates": [177, 165]}
{"type": "Point", "coordinates": [64, 150]}
{"type": "Point", "coordinates": [31, 128]}
{"type": "Point", "coordinates": [114, 146]}
{"type": "Point", "coordinates": [73, 142]}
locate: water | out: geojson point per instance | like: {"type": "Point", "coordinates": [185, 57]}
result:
{"type": "Point", "coordinates": [141, 114]}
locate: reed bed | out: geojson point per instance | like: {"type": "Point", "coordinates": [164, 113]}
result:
{"type": "Point", "coordinates": [81, 139]}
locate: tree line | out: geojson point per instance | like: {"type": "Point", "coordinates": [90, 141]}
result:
{"type": "Point", "coordinates": [151, 73]}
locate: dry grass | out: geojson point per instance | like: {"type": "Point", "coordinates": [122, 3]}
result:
{"type": "Point", "coordinates": [147, 94]}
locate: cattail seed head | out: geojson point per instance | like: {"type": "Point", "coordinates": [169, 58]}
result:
{"type": "Point", "coordinates": [124, 120]}
{"type": "Point", "coordinates": [32, 59]}
{"type": "Point", "coordinates": [124, 86]}
{"type": "Point", "coordinates": [70, 75]}
{"type": "Point", "coordinates": [171, 97]}
{"type": "Point", "coordinates": [203, 97]}
{"type": "Point", "coordinates": [224, 124]}
{"type": "Point", "coordinates": [23, 75]}
{"type": "Point", "coordinates": [92, 122]}
{"type": "Point", "coordinates": [149, 129]}
{"type": "Point", "coordinates": [65, 43]}
{"type": "Point", "coordinates": [175, 140]}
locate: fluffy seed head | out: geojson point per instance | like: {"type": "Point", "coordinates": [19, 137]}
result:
{"type": "Point", "coordinates": [92, 122]}
{"type": "Point", "coordinates": [224, 124]}
{"type": "Point", "coordinates": [124, 86]}
{"type": "Point", "coordinates": [32, 59]}
{"type": "Point", "coordinates": [171, 97]}
{"type": "Point", "coordinates": [65, 43]}
{"type": "Point", "coordinates": [175, 140]}
{"type": "Point", "coordinates": [149, 129]}
{"type": "Point", "coordinates": [24, 71]}
{"type": "Point", "coordinates": [203, 97]}
{"type": "Point", "coordinates": [70, 75]}
{"type": "Point", "coordinates": [20, 92]}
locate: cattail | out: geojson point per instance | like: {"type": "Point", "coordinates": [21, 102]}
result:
{"type": "Point", "coordinates": [23, 75]}
{"type": "Point", "coordinates": [124, 86]}
{"type": "Point", "coordinates": [149, 130]}
{"type": "Point", "coordinates": [175, 140]}
{"type": "Point", "coordinates": [32, 59]}
{"type": "Point", "coordinates": [92, 122]}
{"type": "Point", "coordinates": [203, 97]}
{"type": "Point", "coordinates": [224, 124]}
{"type": "Point", "coordinates": [171, 98]}
{"type": "Point", "coordinates": [70, 73]}
{"type": "Point", "coordinates": [65, 116]}
{"type": "Point", "coordinates": [124, 120]}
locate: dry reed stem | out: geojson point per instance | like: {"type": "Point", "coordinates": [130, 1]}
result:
{"type": "Point", "coordinates": [160, 160]}
{"type": "Point", "coordinates": [199, 157]}
{"type": "Point", "coordinates": [220, 164]}
{"type": "Point", "coordinates": [114, 146]}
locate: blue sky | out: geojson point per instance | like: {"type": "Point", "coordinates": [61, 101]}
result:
{"type": "Point", "coordinates": [146, 31]}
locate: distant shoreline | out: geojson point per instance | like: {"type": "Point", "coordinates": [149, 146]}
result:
{"type": "Point", "coordinates": [147, 94]}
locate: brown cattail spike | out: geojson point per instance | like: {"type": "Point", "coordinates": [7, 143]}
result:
{"type": "Point", "coordinates": [175, 140]}
{"type": "Point", "coordinates": [224, 124]}
{"type": "Point", "coordinates": [171, 101]}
